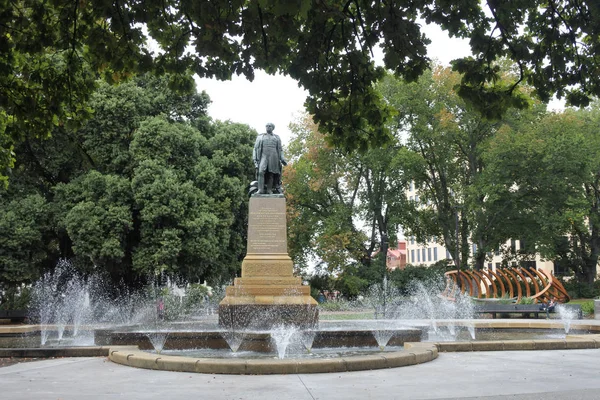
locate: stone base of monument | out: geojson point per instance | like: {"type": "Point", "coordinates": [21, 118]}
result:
{"type": "Point", "coordinates": [267, 316]}
{"type": "Point", "coordinates": [268, 294]}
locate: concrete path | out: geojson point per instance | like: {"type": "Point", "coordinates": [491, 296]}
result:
{"type": "Point", "coordinates": [559, 374]}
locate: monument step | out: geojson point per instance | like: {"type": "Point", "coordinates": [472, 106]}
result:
{"type": "Point", "coordinates": [268, 281]}
{"type": "Point", "coordinates": [266, 299]}
{"type": "Point", "coordinates": [271, 290]}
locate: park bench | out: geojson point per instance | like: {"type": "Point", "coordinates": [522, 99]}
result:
{"type": "Point", "coordinates": [14, 315]}
{"type": "Point", "coordinates": [523, 309]}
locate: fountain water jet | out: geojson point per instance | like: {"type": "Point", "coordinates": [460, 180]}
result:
{"type": "Point", "coordinates": [158, 340]}
{"type": "Point", "coordinates": [567, 315]}
{"type": "Point", "coordinates": [282, 336]}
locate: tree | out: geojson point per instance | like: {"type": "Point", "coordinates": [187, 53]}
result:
{"type": "Point", "coordinates": [24, 243]}
{"type": "Point", "coordinates": [53, 53]}
{"type": "Point", "coordinates": [550, 169]}
{"type": "Point", "coordinates": [149, 185]}
{"type": "Point", "coordinates": [445, 142]}
{"type": "Point", "coordinates": [340, 205]}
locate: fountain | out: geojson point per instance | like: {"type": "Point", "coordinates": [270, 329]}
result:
{"type": "Point", "coordinates": [158, 340]}
{"type": "Point", "coordinates": [266, 311]}
{"type": "Point", "coordinates": [414, 316]}
{"type": "Point", "coordinates": [567, 315]}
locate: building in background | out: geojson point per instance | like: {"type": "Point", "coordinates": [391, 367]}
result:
{"type": "Point", "coordinates": [432, 252]}
{"type": "Point", "coordinates": [396, 258]}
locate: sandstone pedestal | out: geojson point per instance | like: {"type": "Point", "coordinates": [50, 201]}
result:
{"type": "Point", "coordinates": [267, 294]}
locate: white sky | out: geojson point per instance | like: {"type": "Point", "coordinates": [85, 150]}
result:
{"type": "Point", "coordinates": [279, 100]}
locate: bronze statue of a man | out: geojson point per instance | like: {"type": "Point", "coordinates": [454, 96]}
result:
{"type": "Point", "coordinates": [268, 158]}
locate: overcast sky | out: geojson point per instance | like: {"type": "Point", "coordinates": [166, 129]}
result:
{"type": "Point", "coordinates": [278, 99]}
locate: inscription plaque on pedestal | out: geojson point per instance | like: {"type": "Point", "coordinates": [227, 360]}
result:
{"type": "Point", "coordinates": [267, 228]}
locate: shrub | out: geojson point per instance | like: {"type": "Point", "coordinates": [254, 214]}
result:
{"type": "Point", "coordinates": [506, 299]}
{"type": "Point", "coordinates": [403, 278]}
{"type": "Point", "coordinates": [15, 298]}
{"type": "Point", "coordinates": [581, 290]}
{"type": "Point", "coordinates": [587, 307]}
{"type": "Point", "coordinates": [526, 300]}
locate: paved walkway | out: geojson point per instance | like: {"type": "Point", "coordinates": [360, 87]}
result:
{"type": "Point", "coordinates": [560, 374]}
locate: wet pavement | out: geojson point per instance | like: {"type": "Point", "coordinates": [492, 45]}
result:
{"type": "Point", "coordinates": [558, 374]}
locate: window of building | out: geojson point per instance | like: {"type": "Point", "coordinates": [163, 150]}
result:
{"type": "Point", "coordinates": [561, 268]}
{"type": "Point", "coordinates": [497, 265]}
{"type": "Point", "coordinates": [423, 251]}
{"type": "Point", "coordinates": [435, 254]}
{"type": "Point", "coordinates": [513, 245]}
{"type": "Point", "coordinates": [418, 256]}
{"type": "Point", "coordinates": [429, 254]}
{"type": "Point", "coordinates": [526, 247]}
{"type": "Point", "coordinates": [489, 266]}
{"type": "Point", "coordinates": [474, 248]}
{"type": "Point", "coordinates": [412, 256]}
{"type": "Point", "coordinates": [528, 264]}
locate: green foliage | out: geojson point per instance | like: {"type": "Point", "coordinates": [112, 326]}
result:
{"type": "Point", "coordinates": [148, 185]}
{"type": "Point", "coordinates": [587, 307]}
{"type": "Point", "coordinates": [319, 282]}
{"type": "Point", "coordinates": [548, 171]}
{"type": "Point", "coordinates": [351, 285]}
{"type": "Point", "coordinates": [403, 278]}
{"type": "Point", "coordinates": [526, 300]}
{"type": "Point", "coordinates": [581, 290]}
{"type": "Point", "coordinates": [16, 297]}
{"type": "Point", "coordinates": [336, 305]}
{"type": "Point", "coordinates": [506, 299]}
{"type": "Point", "coordinates": [53, 52]}
{"type": "Point", "coordinates": [95, 210]}
{"type": "Point", "coordinates": [444, 157]}
{"type": "Point", "coordinates": [328, 191]}
{"type": "Point", "coordinates": [25, 241]}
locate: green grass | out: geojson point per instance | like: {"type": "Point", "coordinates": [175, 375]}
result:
{"type": "Point", "coordinates": [330, 316]}
{"type": "Point", "coordinates": [580, 301]}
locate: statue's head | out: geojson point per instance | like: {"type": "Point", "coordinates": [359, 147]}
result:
{"type": "Point", "coordinates": [270, 127]}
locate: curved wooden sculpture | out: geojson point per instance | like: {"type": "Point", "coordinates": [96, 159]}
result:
{"type": "Point", "coordinates": [512, 282]}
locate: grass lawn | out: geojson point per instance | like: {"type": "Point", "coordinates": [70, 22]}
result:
{"type": "Point", "coordinates": [344, 315]}
{"type": "Point", "coordinates": [587, 306]}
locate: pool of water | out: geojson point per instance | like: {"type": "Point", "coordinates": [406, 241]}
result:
{"type": "Point", "coordinates": [486, 334]}
{"type": "Point", "coordinates": [322, 353]}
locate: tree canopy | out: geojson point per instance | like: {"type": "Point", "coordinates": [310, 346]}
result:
{"type": "Point", "coordinates": [52, 54]}
{"type": "Point", "coordinates": [340, 205]}
{"type": "Point", "coordinates": [550, 170]}
{"type": "Point", "coordinates": [530, 176]}
{"type": "Point", "coordinates": [149, 185]}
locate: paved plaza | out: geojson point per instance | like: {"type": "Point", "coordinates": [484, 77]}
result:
{"type": "Point", "coordinates": [558, 374]}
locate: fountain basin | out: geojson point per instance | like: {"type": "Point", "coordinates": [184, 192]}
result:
{"type": "Point", "coordinates": [134, 357]}
{"type": "Point", "coordinates": [413, 352]}
{"type": "Point", "coordinates": [255, 341]}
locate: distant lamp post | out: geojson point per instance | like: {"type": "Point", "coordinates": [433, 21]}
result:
{"type": "Point", "coordinates": [457, 249]}
{"type": "Point", "coordinates": [384, 250]}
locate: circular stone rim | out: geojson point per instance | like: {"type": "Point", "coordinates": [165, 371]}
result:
{"type": "Point", "coordinates": [416, 353]}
